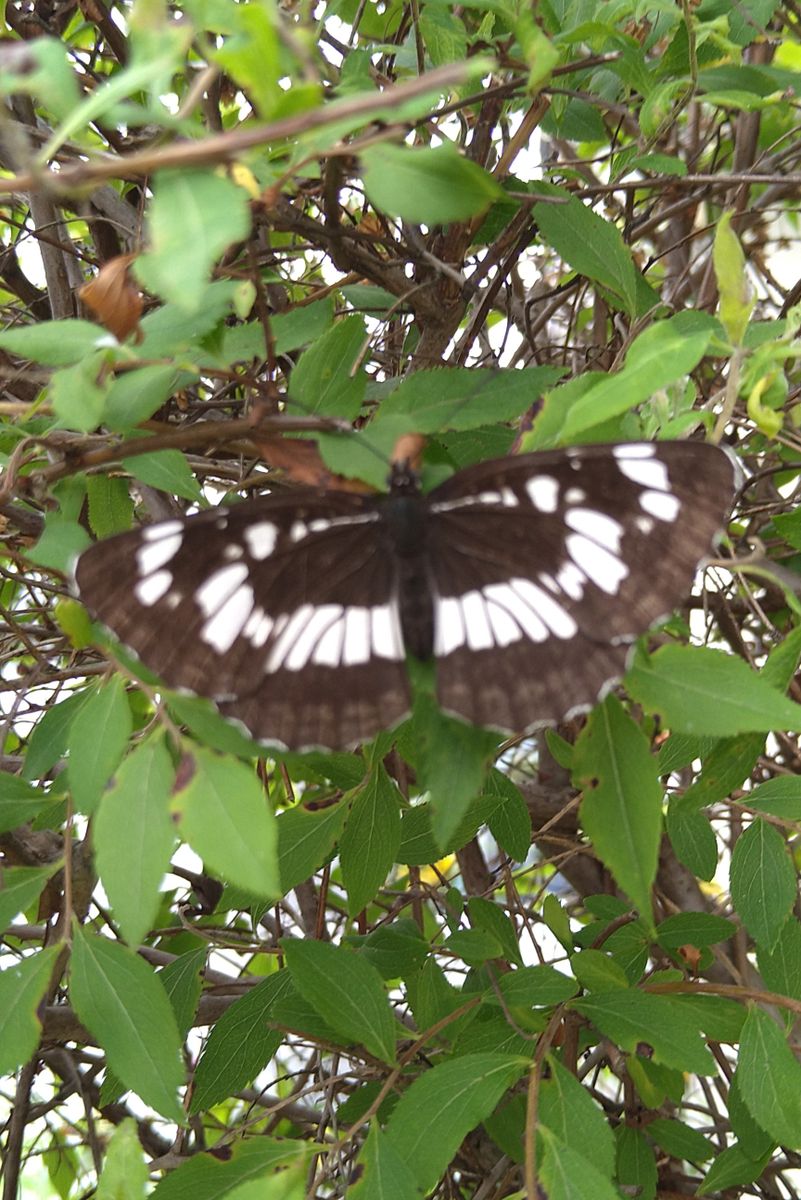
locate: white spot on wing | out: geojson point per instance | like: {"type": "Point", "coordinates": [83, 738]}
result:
{"type": "Point", "coordinates": [506, 598]}
{"type": "Point", "coordinates": [149, 591]}
{"type": "Point", "coordinates": [449, 632]}
{"type": "Point", "coordinates": [543, 491]}
{"type": "Point", "coordinates": [307, 641]}
{"type": "Point", "coordinates": [508, 497]}
{"type": "Point", "coordinates": [571, 580]}
{"type": "Point", "coordinates": [328, 652]}
{"type": "Point", "coordinates": [648, 473]}
{"type": "Point", "coordinates": [257, 628]}
{"type": "Point", "coordinates": [505, 629]}
{"type": "Point", "coordinates": [557, 618]}
{"type": "Point", "coordinates": [634, 450]}
{"type": "Point", "coordinates": [575, 495]}
{"type": "Point", "coordinates": [663, 505]}
{"type": "Point", "coordinates": [644, 524]}
{"type": "Point", "coordinates": [153, 553]}
{"type": "Point", "coordinates": [357, 635]}
{"type": "Point", "coordinates": [605, 570]}
{"type": "Point", "coordinates": [214, 592]}
{"type": "Point", "coordinates": [163, 529]}
{"type": "Point", "coordinates": [261, 539]}
{"type": "Point", "coordinates": [286, 633]}
{"type": "Point", "coordinates": [476, 622]}
{"type": "Point", "coordinates": [387, 642]}
{"type": "Point", "coordinates": [227, 623]}
{"type": "Point", "coordinates": [603, 529]}
{"type": "Point", "coordinates": [298, 530]}
{"type": "Point", "coordinates": [233, 551]}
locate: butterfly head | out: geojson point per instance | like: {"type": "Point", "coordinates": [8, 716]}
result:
{"type": "Point", "coordinates": [403, 479]}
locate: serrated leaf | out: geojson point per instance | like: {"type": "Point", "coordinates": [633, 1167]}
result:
{"type": "Point", "coordinates": [436, 1113]}
{"type": "Point", "coordinates": [125, 1174]}
{"type": "Point", "coordinates": [570, 1113]}
{"type": "Point", "coordinates": [370, 839]}
{"type": "Point", "coordinates": [208, 1176]}
{"type": "Point", "coordinates": [22, 988]}
{"type": "Point", "coordinates": [224, 814]}
{"type": "Point", "coordinates": [166, 470]}
{"type": "Point", "coordinates": [769, 1078]}
{"type": "Point", "coordinates": [702, 691]}
{"type": "Point", "coordinates": [621, 809]}
{"type": "Point", "coordinates": [385, 1174]}
{"type": "Point", "coordinates": [134, 836]}
{"type": "Point", "coordinates": [96, 742]}
{"type": "Point", "coordinates": [19, 801]}
{"type": "Point", "coordinates": [56, 343]}
{"type": "Point", "coordinates": [305, 840]}
{"type": "Point", "coordinates": [120, 1000]}
{"type": "Point", "coordinates": [567, 1175]}
{"type": "Point", "coordinates": [324, 383]}
{"type": "Point", "coordinates": [631, 1017]}
{"type": "Point", "coordinates": [431, 185]}
{"type": "Point", "coordinates": [193, 216]}
{"type": "Point", "coordinates": [763, 882]}
{"type": "Point", "coordinates": [19, 887]}
{"type": "Point", "coordinates": [240, 1044]}
{"type": "Point", "coordinates": [347, 992]}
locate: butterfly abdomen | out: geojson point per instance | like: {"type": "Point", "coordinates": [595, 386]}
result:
{"type": "Point", "coordinates": [404, 520]}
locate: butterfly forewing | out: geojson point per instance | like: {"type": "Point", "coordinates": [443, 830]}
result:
{"type": "Point", "coordinates": [546, 566]}
{"type": "Point", "coordinates": [527, 577]}
{"type": "Point", "coordinates": [280, 609]}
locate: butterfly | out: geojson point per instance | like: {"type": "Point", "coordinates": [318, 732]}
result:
{"type": "Point", "coordinates": [525, 578]}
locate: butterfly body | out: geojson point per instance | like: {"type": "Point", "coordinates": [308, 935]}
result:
{"type": "Point", "coordinates": [525, 578]}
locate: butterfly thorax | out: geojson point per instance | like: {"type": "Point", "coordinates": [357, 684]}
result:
{"type": "Point", "coordinates": [403, 516]}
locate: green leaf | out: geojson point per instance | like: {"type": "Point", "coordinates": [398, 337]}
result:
{"type": "Point", "coordinates": [695, 929]}
{"type": "Point", "coordinates": [125, 1174]}
{"type": "Point", "coordinates": [110, 505]}
{"type": "Point", "coordinates": [636, 1168]}
{"type": "Point", "coordinates": [702, 691]}
{"type": "Point", "coordinates": [305, 840]}
{"type": "Point", "coordinates": [134, 836]}
{"type": "Point", "coordinates": [193, 217]}
{"type": "Point", "coordinates": [22, 988]}
{"type": "Point", "coordinates": [663, 353]}
{"type": "Point", "coordinates": [433, 1116]}
{"type": "Point", "coordinates": [208, 1176]}
{"type": "Point", "coordinates": [166, 470]}
{"type": "Point", "coordinates": [19, 801]}
{"type": "Point", "coordinates": [693, 840]}
{"type": "Point", "coordinates": [492, 919]}
{"type": "Point", "coordinates": [210, 728]}
{"type": "Point", "coordinates": [97, 740]}
{"type": "Point", "coordinates": [57, 343]}
{"type": "Point", "coordinates": [780, 797]}
{"type": "Point", "coordinates": [680, 1140]}
{"type": "Point", "coordinates": [567, 1175]}
{"type": "Point", "coordinates": [568, 1111]}
{"type": "Point", "coordinates": [60, 544]}
{"type": "Point", "coordinates": [241, 1044]}
{"type": "Point", "coordinates": [432, 185]}
{"type": "Point", "coordinates": [452, 764]}
{"type": "Point", "coordinates": [780, 966]}
{"type": "Point", "coordinates": [769, 1078]}
{"type": "Point", "coordinates": [327, 381]}
{"type": "Point", "coordinates": [48, 742]}
{"type": "Point", "coordinates": [224, 814]}
{"type": "Point", "coordinates": [183, 984]}
{"type": "Point", "coordinates": [300, 326]}
{"type": "Point", "coordinates": [630, 1017]}
{"type": "Point", "coordinates": [385, 1174]}
{"type": "Point", "coordinates": [733, 1168]}
{"type": "Point", "coordinates": [78, 393]}
{"type": "Point", "coordinates": [593, 247]}
{"type": "Point", "coordinates": [19, 887]}
{"type": "Point", "coordinates": [536, 987]}
{"type": "Point", "coordinates": [122, 1003]}
{"type": "Point", "coordinates": [763, 883]}
{"type": "Point", "coordinates": [371, 838]}
{"type": "Point", "coordinates": [736, 298]}
{"type": "Point", "coordinates": [510, 823]}
{"type": "Point", "coordinates": [621, 809]}
{"type": "Point", "coordinates": [346, 991]}
{"type": "Point", "coordinates": [251, 56]}
{"type": "Point", "coordinates": [136, 395]}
